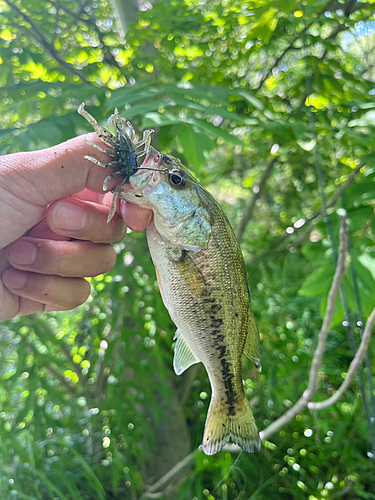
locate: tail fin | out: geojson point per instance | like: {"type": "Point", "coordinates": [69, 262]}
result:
{"type": "Point", "coordinates": [220, 426]}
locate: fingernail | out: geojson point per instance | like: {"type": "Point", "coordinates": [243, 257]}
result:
{"type": "Point", "coordinates": [23, 252]}
{"type": "Point", "coordinates": [12, 278]}
{"type": "Point", "coordinates": [69, 216]}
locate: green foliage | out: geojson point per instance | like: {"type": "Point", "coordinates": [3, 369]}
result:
{"type": "Point", "coordinates": [89, 405]}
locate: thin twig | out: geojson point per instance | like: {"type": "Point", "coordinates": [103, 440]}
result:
{"type": "Point", "coordinates": [249, 210]}
{"type": "Point", "coordinates": [341, 27]}
{"type": "Point", "coordinates": [56, 24]}
{"type": "Point", "coordinates": [55, 373]}
{"type": "Point", "coordinates": [344, 491]}
{"type": "Point", "coordinates": [314, 217]}
{"type": "Point", "coordinates": [90, 22]}
{"type": "Point", "coordinates": [333, 200]}
{"type": "Point", "coordinates": [281, 56]}
{"type": "Point", "coordinates": [322, 340]}
{"type": "Point", "coordinates": [81, 7]}
{"type": "Point", "coordinates": [165, 480]}
{"type": "Point", "coordinates": [38, 36]}
{"type": "Point", "coordinates": [354, 365]}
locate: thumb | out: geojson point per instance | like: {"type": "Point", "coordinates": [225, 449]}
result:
{"type": "Point", "coordinates": [40, 177]}
{"type": "Point", "coordinates": [30, 181]}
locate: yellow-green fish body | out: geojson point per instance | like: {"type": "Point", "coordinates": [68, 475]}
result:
{"type": "Point", "coordinates": [202, 278]}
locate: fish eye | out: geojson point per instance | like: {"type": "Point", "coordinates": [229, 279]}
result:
{"type": "Point", "coordinates": [177, 179]}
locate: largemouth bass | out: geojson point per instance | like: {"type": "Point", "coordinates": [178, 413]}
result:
{"type": "Point", "coordinates": [202, 279]}
{"type": "Point", "coordinates": [201, 276]}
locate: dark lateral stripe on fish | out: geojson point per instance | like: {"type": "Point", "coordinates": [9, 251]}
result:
{"type": "Point", "coordinates": [215, 308]}
{"type": "Point", "coordinates": [208, 300]}
{"type": "Point", "coordinates": [229, 392]}
{"type": "Point", "coordinates": [216, 323]}
{"type": "Point", "coordinates": [227, 379]}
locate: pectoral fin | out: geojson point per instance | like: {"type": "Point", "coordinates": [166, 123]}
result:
{"type": "Point", "coordinates": [252, 345]}
{"type": "Point", "coordinates": [183, 355]}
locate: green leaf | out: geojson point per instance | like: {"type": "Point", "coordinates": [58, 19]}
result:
{"type": "Point", "coordinates": [318, 282]}
{"type": "Point", "coordinates": [254, 101]}
{"type": "Point", "coordinates": [368, 261]}
{"type": "Point", "coordinates": [195, 145]}
{"type": "Point", "coordinates": [53, 489]}
{"type": "Point", "coordinates": [23, 496]}
{"type": "Point", "coordinates": [366, 120]}
{"type": "Point", "coordinates": [142, 109]}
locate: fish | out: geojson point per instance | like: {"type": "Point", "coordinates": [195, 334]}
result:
{"type": "Point", "coordinates": [200, 272]}
{"type": "Point", "coordinates": [202, 279]}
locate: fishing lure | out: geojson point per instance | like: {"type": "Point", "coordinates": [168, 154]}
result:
{"type": "Point", "coordinates": [122, 147]}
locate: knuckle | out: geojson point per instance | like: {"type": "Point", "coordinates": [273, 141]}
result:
{"type": "Point", "coordinates": [114, 232]}
{"type": "Point", "coordinates": [61, 267]}
{"type": "Point", "coordinates": [55, 265]}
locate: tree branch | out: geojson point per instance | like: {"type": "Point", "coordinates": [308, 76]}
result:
{"type": "Point", "coordinates": [90, 22]}
{"type": "Point", "coordinates": [55, 373]}
{"type": "Point", "coordinates": [281, 56]}
{"type": "Point", "coordinates": [341, 27]}
{"type": "Point", "coordinates": [354, 365]}
{"type": "Point", "coordinates": [153, 491]}
{"type": "Point", "coordinates": [322, 340]}
{"type": "Point", "coordinates": [38, 36]}
{"type": "Point", "coordinates": [126, 12]}
{"type": "Point", "coordinates": [56, 23]}
{"type": "Point", "coordinates": [315, 216]}
{"type": "Point", "coordinates": [249, 210]}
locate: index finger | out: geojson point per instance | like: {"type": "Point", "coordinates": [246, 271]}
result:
{"type": "Point", "coordinates": [84, 220]}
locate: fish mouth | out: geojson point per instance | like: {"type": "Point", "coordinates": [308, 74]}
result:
{"type": "Point", "coordinates": [153, 159]}
{"type": "Point", "coordinates": [146, 179]}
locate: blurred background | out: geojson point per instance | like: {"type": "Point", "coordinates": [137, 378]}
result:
{"type": "Point", "coordinates": [268, 103]}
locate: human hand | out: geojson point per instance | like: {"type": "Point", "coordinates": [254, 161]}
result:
{"type": "Point", "coordinates": [47, 247]}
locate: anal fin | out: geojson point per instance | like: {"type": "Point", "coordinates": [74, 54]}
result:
{"type": "Point", "coordinates": [183, 355]}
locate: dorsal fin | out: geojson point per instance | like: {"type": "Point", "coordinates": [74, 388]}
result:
{"type": "Point", "coordinates": [183, 355]}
